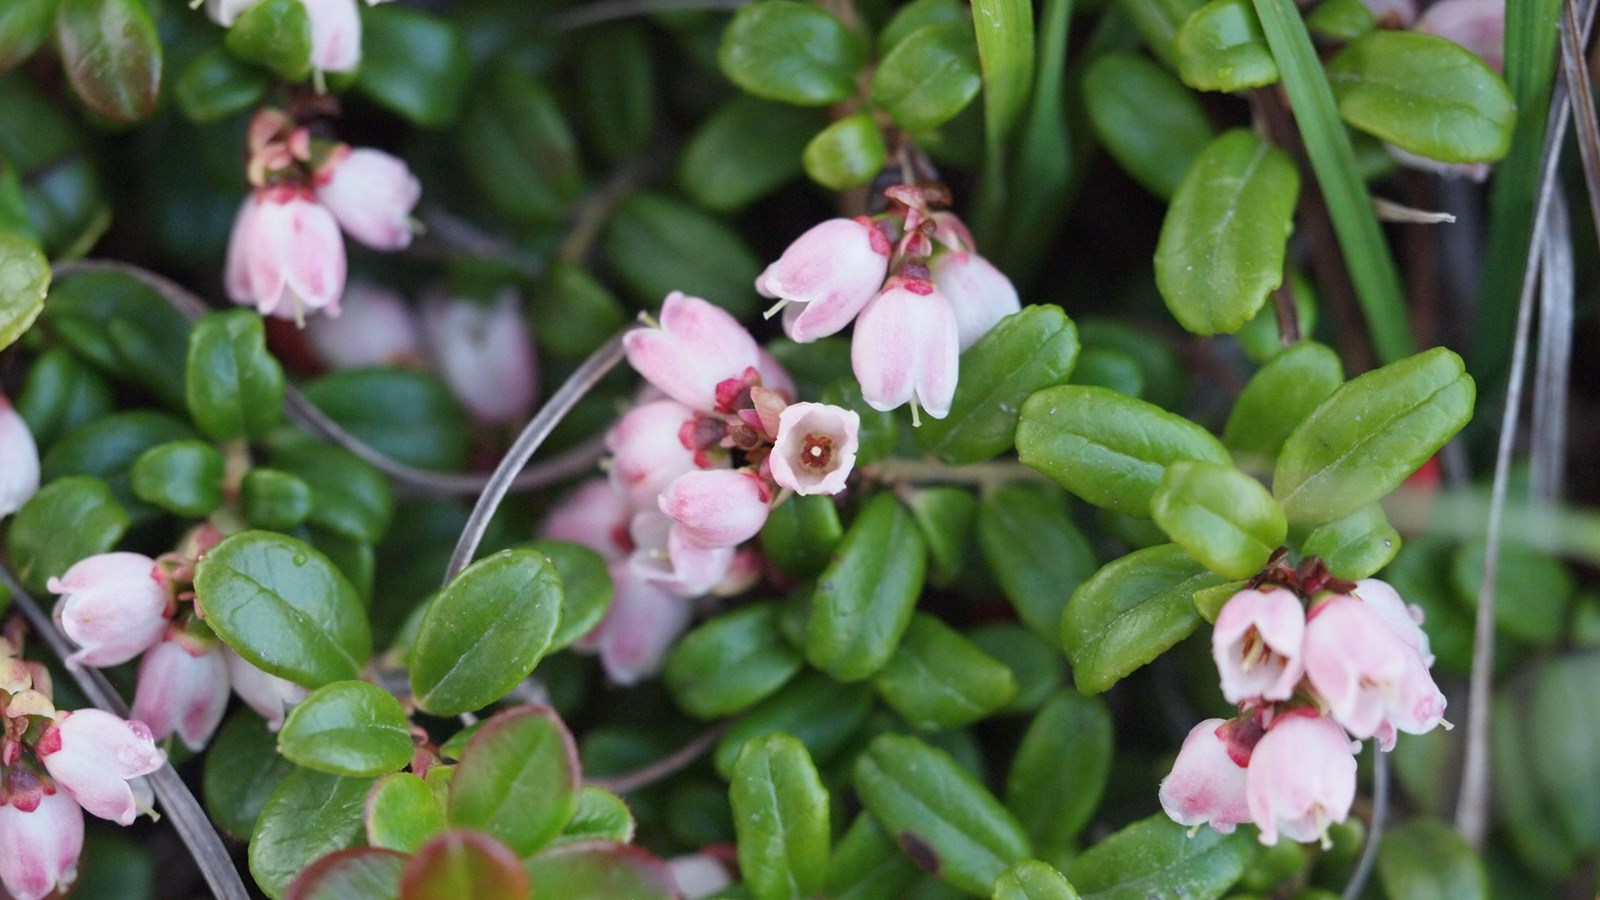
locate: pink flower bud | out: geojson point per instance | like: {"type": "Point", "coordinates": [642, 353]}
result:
{"type": "Point", "coordinates": [1478, 25]}
{"type": "Point", "coordinates": [94, 754]}
{"type": "Point", "coordinates": [664, 554]}
{"type": "Point", "coordinates": [697, 347]}
{"type": "Point", "coordinates": [1371, 679]}
{"type": "Point", "coordinates": [335, 34]}
{"type": "Point", "coordinates": [595, 515]}
{"type": "Point", "coordinates": [717, 507]}
{"type": "Point", "coordinates": [39, 849]}
{"type": "Point", "coordinates": [183, 688]}
{"type": "Point", "coordinates": [270, 696]}
{"type": "Point", "coordinates": [980, 295]}
{"type": "Point", "coordinates": [375, 328]}
{"type": "Point", "coordinates": [1256, 644]}
{"type": "Point", "coordinates": [114, 606]}
{"type": "Point", "coordinates": [816, 448]}
{"type": "Point", "coordinates": [647, 454]}
{"type": "Point", "coordinates": [699, 875]}
{"type": "Point", "coordinates": [1206, 786]}
{"type": "Point", "coordinates": [19, 460]}
{"type": "Point", "coordinates": [906, 346]}
{"type": "Point", "coordinates": [370, 193]}
{"type": "Point", "coordinates": [1393, 13]}
{"type": "Point", "coordinates": [644, 621]}
{"type": "Point", "coordinates": [485, 355]}
{"type": "Point", "coordinates": [1302, 778]}
{"type": "Point", "coordinates": [833, 269]}
{"type": "Point", "coordinates": [285, 255]}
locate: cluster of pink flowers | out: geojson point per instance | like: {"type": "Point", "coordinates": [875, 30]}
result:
{"type": "Point", "coordinates": [285, 255]}
{"type": "Point", "coordinates": [1306, 683]}
{"type": "Point", "coordinates": [57, 765]}
{"type": "Point", "coordinates": [913, 283]}
{"type": "Point", "coordinates": [695, 468]}
{"type": "Point", "coordinates": [335, 29]}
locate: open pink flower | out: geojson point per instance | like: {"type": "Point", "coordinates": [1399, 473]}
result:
{"type": "Point", "coordinates": [698, 346]}
{"type": "Point", "coordinates": [717, 507]}
{"type": "Point", "coordinates": [285, 256]}
{"type": "Point", "coordinates": [833, 270]}
{"type": "Point", "coordinates": [906, 347]}
{"type": "Point", "coordinates": [980, 295]}
{"type": "Point", "coordinates": [1256, 644]}
{"type": "Point", "coordinates": [183, 688]}
{"type": "Point", "coordinates": [664, 554]}
{"type": "Point", "coordinates": [94, 755]}
{"type": "Point", "coordinates": [1371, 679]}
{"type": "Point", "coordinates": [647, 454]}
{"type": "Point", "coordinates": [1206, 786]}
{"type": "Point", "coordinates": [596, 515]}
{"type": "Point", "coordinates": [335, 34]}
{"type": "Point", "coordinates": [113, 606]}
{"type": "Point", "coordinates": [1301, 779]}
{"type": "Point", "coordinates": [369, 192]}
{"type": "Point", "coordinates": [815, 448]}
{"type": "Point", "coordinates": [485, 355]}
{"type": "Point", "coordinates": [19, 460]}
{"type": "Point", "coordinates": [39, 849]}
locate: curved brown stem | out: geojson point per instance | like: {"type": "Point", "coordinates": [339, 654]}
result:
{"type": "Point", "coordinates": [667, 766]}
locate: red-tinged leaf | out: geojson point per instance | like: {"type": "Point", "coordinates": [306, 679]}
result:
{"type": "Point", "coordinates": [111, 55]}
{"type": "Point", "coordinates": [459, 864]}
{"type": "Point", "coordinates": [360, 873]}
{"type": "Point", "coordinates": [518, 779]}
{"type": "Point", "coordinates": [601, 870]}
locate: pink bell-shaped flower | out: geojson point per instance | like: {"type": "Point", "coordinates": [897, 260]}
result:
{"type": "Point", "coordinates": [335, 34]}
{"type": "Point", "coordinates": [833, 270]}
{"type": "Point", "coordinates": [114, 606]}
{"type": "Point", "coordinates": [485, 355]}
{"type": "Point", "coordinates": [183, 688]}
{"type": "Point", "coordinates": [717, 507]}
{"type": "Point", "coordinates": [285, 256]}
{"type": "Point", "coordinates": [1478, 25]}
{"type": "Point", "coordinates": [1301, 779]}
{"type": "Point", "coordinates": [699, 875]}
{"type": "Point", "coordinates": [1206, 786]}
{"type": "Point", "coordinates": [647, 454]}
{"type": "Point", "coordinates": [906, 347]}
{"type": "Point", "coordinates": [980, 295]}
{"type": "Point", "coordinates": [774, 377]}
{"type": "Point", "coordinates": [19, 460]}
{"type": "Point", "coordinates": [697, 348]}
{"type": "Point", "coordinates": [1256, 643]}
{"type": "Point", "coordinates": [375, 328]}
{"type": "Point", "coordinates": [664, 554]}
{"type": "Point", "coordinates": [270, 696]}
{"type": "Point", "coordinates": [94, 755]}
{"type": "Point", "coordinates": [643, 623]}
{"type": "Point", "coordinates": [1404, 619]}
{"type": "Point", "coordinates": [369, 192]}
{"type": "Point", "coordinates": [1371, 679]}
{"type": "Point", "coordinates": [39, 849]}
{"type": "Point", "coordinates": [815, 448]}
{"type": "Point", "coordinates": [596, 515]}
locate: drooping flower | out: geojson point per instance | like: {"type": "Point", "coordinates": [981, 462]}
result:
{"type": "Point", "coordinates": [717, 507]}
{"type": "Point", "coordinates": [980, 295]}
{"type": "Point", "coordinates": [270, 696]}
{"type": "Point", "coordinates": [1301, 778]}
{"type": "Point", "coordinates": [335, 34]}
{"type": "Point", "coordinates": [285, 255]}
{"type": "Point", "coordinates": [39, 849]}
{"type": "Point", "coordinates": [1207, 785]}
{"type": "Point", "coordinates": [369, 192]}
{"type": "Point", "coordinates": [699, 875]}
{"type": "Point", "coordinates": [19, 460]}
{"type": "Point", "coordinates": [114, 607]}
{"type": "Point", "coordinates": [642, 624]}
{"type": "Point", "coordinates": [831, 272]}
{"type": "Point", "coordinates": [183, 688]}
{"type": "Point", "coordinates": [665, 554]}
{"type": "Point", "coordinates": [697, 347]}
{"type": "Point", "coordinates": [484, 354]}
{"type": "Point", "coordinates": [1404, 619]}
{"type": "Point", "coordinates": [226, 12]}
{"type": "Point", "coordinates": [94, 755]}
{"type": "Point", "coordinates": [815, 448]}
{"type": "Point", "coordinates": [906, 348]}
{"type": "Point", "coordinates": [1371, 679]}
{"type": "Point", "coordinates": [375, 328]}
{"type": "Point", "coordinates": [1256, 644]}
{"type": "Point", "coordinates": [647, 454]}
{"type": "Point", "coordinates": [595, 515]}
{"type": "Point", "coordinates": [1478, 25]}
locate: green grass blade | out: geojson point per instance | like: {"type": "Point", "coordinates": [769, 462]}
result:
{"type": "Point", "coordinates": [1005, 50]}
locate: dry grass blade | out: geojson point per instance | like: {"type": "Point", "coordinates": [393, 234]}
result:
{"type": "Point", "coordinates": [1580, 96]}
{"type": "Point", "coordinates": [1557, 295]}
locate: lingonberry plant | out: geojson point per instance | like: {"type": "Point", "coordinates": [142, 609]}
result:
{"type": "Point", "coordinates": [784, 449]}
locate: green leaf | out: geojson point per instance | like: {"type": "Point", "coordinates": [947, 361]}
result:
{"type": "Point", "coordinates": [847, 154]}
{"type": "Point", "coordinates": [348, 495]}
{"type": "Point", "coordinates": [866, 865]}
{"type": "Point", "coordinates": [460, 863]}
{"type": "Point", "coordinates": [1355, 547]}
{"type": "Point", "coordinates": [586, 589]}
{"type": "Point", "coordinates": [402, 813]}
{"type": "Point", "coordinates": [518, 149]}
{"type": "Point", "coordinates": [1531, 826]}
{"type": "Point", "coordinates": [1222, 48]}
{"type": "Point", "coordinates": [939, 679]}
{"type": "Point", "coordinates": [659, 245]}
{"type": "Point", "coordinates": [1565, 767]}
{"type": "Point", "coordinates": [24, 24]}
{"type": "Point", "coordinates": [928, 77]}
{"type": "Point", "coordinates": [1370, 434]}
{"type": "Point", "coordinates": [518, 779]}
{"type": "Point", "coordinates": [1531, 589]}
{"type": "Point", "coordinates": [1277, 399]}
{"type": "Point", "coordinates": [182, 477]}
{"type": "Point", "coordinates": [1222, 243]}
{"type": "Point", "coordinates": [1341, 20]}
{"type": "Point", "coordinates": [68, 520]}
{"type": "Point", "coordinates": [112, 56]}
{"type": "Point", "coordinates": [347, 728]}
{"type": "Point", "coordinates": [242, 769]}
{"type": "Point", "coordinates": [864, 600]}
{"type": "Point", "coordinates": [1166, 383]}
{"type": "Point", "coordinates": [1107, 448]}
{"type": "Point", "coordinates": [234, 386]}
{"type": "Point", "coordinates": [1424, 94]}
{"type": "Point", "coordinates": [24, 279]}
{"type": "Point", "coordinates": [617, 87]}
{"type": "Point", "coordinates": [1428, 860]}
{"type": "Point", "coordinates": [414, 64]}
{"type": "Point", "coordinates": [1150, 124]}
{"type": "Point", "coordinates": [731, 662]}
{"type": "Point", "coordinates": [485, 632]}
{"type": "Point", "coordinates": [571, 313]}
{"type": "Point", "coordinates": [1036, 664]}
{"type": "Point", "coordinates": [821, 713]}
{"type": "Point", "coordinates": [1261, 339]}
{"type": "Point", "coordinates": [1033, 880]}
{"type": "Point", "coordinates": [791, 52]}
{"type": "Point", "coordinates": [600, 816]}
{"type": "Point", "coordinates": [273, 499]}
{"type": "Point", "coordinates": [309, 815]}
{"type": "Point", "coordinates": [1035, 552]}
{"type": "Point", "coordinates": [939, 814]}
{"type": "Point", "coordinates": [800, 534]}
{"type": "Point", "coordinates": [108, 447]}
{"type": "Point", "coordinates": [124, 328]}
{"type": "Point", "coordinates": [283, 607]}
{"type": "Point", "coordinates": [1156, 856]}
{"type": "Point", "coordinates": [1060, 770]}
{"type": "Point", "coordinates": [359, 873]}
{"type": "Point", "coordinates": [216, 85]}
{"type": "Point", "coordinates": [410, 416]}
{"type": "Point", "coordinates": [61, 394]}
{"type": "Point", "coordinates": [944, 513]}
{"type": "Point", "coordinates": [1131, 611]}
{"type": "Point", "coordinates": [1158, 21]}
{"type": "Point", "coordinates": [780, 812]}
{"type": "Point", "coordinates": [914, 15]}
{"type": "Point", "coordinates": [746, 149]}
{"type": "Point", "coordinates": [1005, 35]}
{"type": "Point", "coordinates": [1025, 352]}
{"type": "Point", "coordinates": [600, 870]}
{"type": "Point", "coordinates": [275, 34]}
{"type": "Point", "coordinates": [1221, 516]}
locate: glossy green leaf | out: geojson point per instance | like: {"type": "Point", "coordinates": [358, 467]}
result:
{"type": "Point", "coordinates": [182, 477]}
{"type": "Point", "coordinates": [414, 64]}
{"type": "Point", "coordinates": [1221, 516]}
{"type": "Point", "coordinates": [68, 520]}
{"type": "Point", "coordinates": [402, 813]}
{"type": "Point", "coordinates": [283, 606]}
{"type": "Point", "coordinates": [914, 15]}
{"type": "Point", "coordinates": [791, 52]}
{"type": "Point", "coordinates": [1429, 860]}
{"type": "Point", "coordinates": [1209, 601]}
{"type": "Point", "coordinates": [618, 90]}
{"type": "Point", "coordinates": [111, 54]}
{"type": "Point", "coordinates": [1038, 180]}
{"type": "Point", "coordinates": [1166, 383]}
{"type": "Point", "coordinates": [1149, 122]}
{"type": "Point", "coordinates": [273, 499]}
{"type": "Point", "coordinates": [1035, 552]}
{"type": "Point", "coordinates": [940, 816]}
{"type": "Point", "coordinates": [242, 769]}
{"type": "Point", "coordinates": [108, 447]}
{"type": "Point", "coordinates": [309, 815]}
{"type": "Point", "coordinates": [234, 386]}
{"type": "Point", "coordinates": [1261, 338]}
{"type": "Point", "coordinates": [1157, 856]}
{"type": "Point", "coordinates": [216, 85]}
{"type": "Point", "coordinates": [518, 779]}
{"type": "Point", "coordinates": [1131, 611]}
{"type": "Point", "coordinates": [731, 662]}
{"type": "Point", "coordinates": [348, 495]}
{"type": "Point", "coordinates": [124, 328]}
{"type": "Point", "coordinates": [1222, 48]}
{"type": "Point", "coordinates": [945, 514]}
{"type": "Point", "coordinates": [1035, 663]}
{"type": "Point", "coordinates": [1033, 880]}
{"type": "Point", "coordinates": [1060, 770]}
{"type": "Point", "coordinates": [780, 812]}
{"type": "Point", "coordinates": [800, 534]}
{"type": "Point", "coordinates": [864, 600]}
{"type": "Point", "coordinates": [600, 870]}
{"type": "Point", "coordinates": [1005, 37]}
{"type": "Point", "coordinates": [586, 589]}
{"type": "Point", "coordinates": [1532, 589]}
{"type": "Point", "coordinates": [59, 395]}
{"type": "Point", "coordinates": [275, 34]}
{"type": "Point", "coordinates": [517, 147]}
{"type": "Point", "coordinates": [1222, 243]}
{"type": "Point", "coordinates": [599, 816]}
{"type": "Point", "coordinates": [928, 77]}
{"type": "Point", "coordinates": [347, 728]}
{"type": "Point", "coordinates": [746, 149]}
{"type": "Point", "coordinates": [847, 154]}
{"type": "Point", "coordinates": [410, 416]}
{"type": "Point", "coordinates": [485, 632]}
{"type": "Point", "coordinates": [1341, 20]}
{"type": "Point", "coordinates": [1277, 399]}
{"type": "Point", "coordinates": [460, 863]}
{"type": "Point", "coordinates": [1355, 547]}
{"type": "Point", "coordinates": [1158, 21]}
{"type": "Point", "coordinates": [1107, 448]}
{"type": "Point", "coordinates": [939, 679]}
{"type": "Point", "coordinates": [1026, 352]}
{"type": "Point", "coordinates": [24, 278]}
{"type": "Point", "coordinates": [1424, 94]}
{"type": "Point", "coordinates": [1370, 434]}
{"type": "Point", "coordinates": [866, 864]}
{"type": "Point", "coordinates": [359, 873]}
{"type": "Point", "coordinates": [24, 24]}
{"type": "Point", "coordinates": [659, 245]}
{"type": "Point", "coordinates": [816, 710]}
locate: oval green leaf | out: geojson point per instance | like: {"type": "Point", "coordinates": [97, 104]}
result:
{"type": "Point", "coordinates": [929, 77]}
{"type": "Point", "coordinates": [1429, 860]}
{"type": "Point", "coordinates": [780, 814]}
{"type": "Point", "coordinates": [1221, 47]}
{"type": "Point", "coordinates": [791, 52]}
{"type": "Point", "coordinates": [234, 386]}
{"type": "Point", "coordinates": [600, 870]}
{"type": "Point", "coordinates": [308, 816]}
{"type": "Point", "coordinates": [402, 813]}
{"type": "Point", "coordinates": [864, 600]}
{"type": "Point", "coordinates": [359, 873]}
{"type": "Point", "coordinates": [460, 863]}
{"type": "Point", "coordinates": [68, 520]}
{"type": "Point", "coordinates": [1060, 770]}
{"type": "Point", "coordinates": [182, 477]}
{"type": "Point", "coordinates": [1277, 399]}
{"type": "Point", "coordinates": [112, 56]}
{"type": "Point", "coordinates": [586, 589]}
{"type": "Point", "coordinates": [518, 779]}
{"type": "Point", "coordinates": [731, 662]}
{"type": "Point", "coordinates": [414, 64]}
{"type": "Point", "coordinates": [242, 769]}
{"type": "Point", "coordinates": [659, 244]}
{"type": "Point", "coordinates": [1035, 552]}
{"type": "Point", "coordinates": [1150, 123]}
{"type": "Point", "coordinates": [599, 816]}
{"type": "Point", "coordinates": [347, 728]}
{"type": "Point", "coordinates": [821, 713]}
{"type": "Point", "coordinates": [1033, 880]}
{"type": "Point", "coordinates": [866, 865]}
{"type": "Point", "coordinates": [1223, 517]}
{"type": "Point", "coordinates": [1356, 546]}
{"type": "Point", "coordinates": [275, 34]}
{"type": "Point", "coordinates": [24, 279]}
{"type": "Point", "coordinates": [847, 154]}
{"type": "Point", "coordinates": [1157, 857]}
{"type": "Point", "coordinates": [745, 150]}
{"type": "Point", "coordinates": [939, 679]}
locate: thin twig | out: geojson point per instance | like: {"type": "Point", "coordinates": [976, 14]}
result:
{"type": "Point", "coordinates": [665, 767]}
{"type": "Point", "coordinates": [613, 10]}
{"type": "Point", "coordinates": [1288, 314]}
{"type": "Point", "coordinates": [592, 215]}
{"type": "Point", "coordinates": [1380, 812]}
{"type": "Point", "coordinates": [1575, 72]}
{"type": "Point", "coordinates": [188, 819]}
